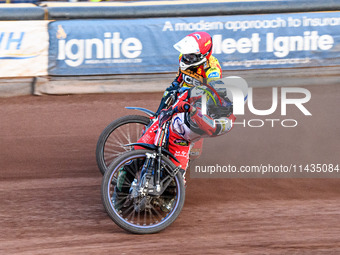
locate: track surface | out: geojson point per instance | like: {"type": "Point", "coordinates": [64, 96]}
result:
{"type": "Point", "coordinates": [50, 184]}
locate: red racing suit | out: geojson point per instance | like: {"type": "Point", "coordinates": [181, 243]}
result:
{"type": "Point", "coordinates": [202, 74]}
{"type": "Point", "coordinates": [188, 125]}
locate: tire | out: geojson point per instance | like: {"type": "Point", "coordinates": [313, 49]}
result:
{"type": "Point", "coordinates": [127, 217]}
{"type": "Point", "coordinates": [124, 130]}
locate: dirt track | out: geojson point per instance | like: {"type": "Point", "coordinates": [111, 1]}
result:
{"type": "Point", "coordinates": [50, 184]}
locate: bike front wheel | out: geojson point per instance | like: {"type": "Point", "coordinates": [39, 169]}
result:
{"type": "Point", "coordinates": [145, 214]}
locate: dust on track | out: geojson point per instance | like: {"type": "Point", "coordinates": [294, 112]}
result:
{"type": "Point", "coordinates": [50, 184]}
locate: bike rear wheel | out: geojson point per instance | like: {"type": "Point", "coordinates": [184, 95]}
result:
{"type": "Point", "coordinates": [132, 214]}
{"type": "Point", "coordinates": [125, 130]}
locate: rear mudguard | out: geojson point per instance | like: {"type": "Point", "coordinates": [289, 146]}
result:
{"type": "Point", "coordinates": [148, 112]}
{"type": "Point", "coordinates": [154, 148]}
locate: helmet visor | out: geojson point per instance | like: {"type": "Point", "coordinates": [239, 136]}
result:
{"type": "Point", "coordinates": [190, 59]}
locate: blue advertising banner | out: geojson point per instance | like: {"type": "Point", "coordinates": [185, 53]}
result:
{"type": "Point", "coordinates": [87, 47]}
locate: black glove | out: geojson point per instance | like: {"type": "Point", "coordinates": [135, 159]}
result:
{"type": "Point", "coordinates": [170, 91]}
{"type": "Point", "coordinates": [165, 115]}
{"type": "Point", "coordinates": [175, 85]}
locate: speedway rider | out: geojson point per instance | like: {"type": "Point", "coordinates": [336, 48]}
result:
{"type": "Point", "coordinates": [196, 64]}
{"type": "Point", "coordinates": [197, 67]}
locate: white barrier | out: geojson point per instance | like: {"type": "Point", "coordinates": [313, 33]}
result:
{"type": "Point", "coordinates": [23, 48]}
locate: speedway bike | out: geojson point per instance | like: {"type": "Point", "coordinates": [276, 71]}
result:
{"type": "Point", "coordinates": [142, 190]}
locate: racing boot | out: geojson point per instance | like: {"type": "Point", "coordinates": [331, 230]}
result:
{"type": "Point", "coordinates": [121, 194]}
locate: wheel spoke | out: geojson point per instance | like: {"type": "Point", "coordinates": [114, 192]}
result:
{"type": "Point", "coordinates": [150, 213]}
{"type": "Point", "coordinates": [122, 135]}
{"type": "Point", "coordinates": [144, 218]}
{"type": "Point", "coordinates": [110, 157]}
{"type": "Point", "coordinates": [131, 216]}
{"type": "Point", "coordinates": [128, 209]}
{"type": "Point", "coordinates": [118, 140]}
{"type": "Point", "coordinates": [158, 214]}
{"type": "Point", "coordinates": [138, 219]}
{"type": "Point", "coordinates": [126, 135]}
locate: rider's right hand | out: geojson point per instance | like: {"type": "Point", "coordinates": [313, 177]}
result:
{"type": "Point", "coordinates": [170, 91]}
{"type": "Point", "coordinates": [165, 115]}
{"type": "Point", "coordinates": [174, 85]}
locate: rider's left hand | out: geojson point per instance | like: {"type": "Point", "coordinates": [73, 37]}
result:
{"type": "Point", "coordinates": [165, 115]}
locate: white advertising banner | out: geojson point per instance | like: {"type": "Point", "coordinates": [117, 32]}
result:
{"type": "Point", "coordinates": [23, 48]}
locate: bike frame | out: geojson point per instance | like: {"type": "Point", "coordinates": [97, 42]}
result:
{"type": "Point", "coordinates": [159, 148]}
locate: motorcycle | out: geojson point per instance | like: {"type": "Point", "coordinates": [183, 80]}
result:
{"type": "Point", "coordinates": [142, 190]}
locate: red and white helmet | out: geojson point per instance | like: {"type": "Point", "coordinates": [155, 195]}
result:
{"type": "Point", "coordinates": [195, 48]}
